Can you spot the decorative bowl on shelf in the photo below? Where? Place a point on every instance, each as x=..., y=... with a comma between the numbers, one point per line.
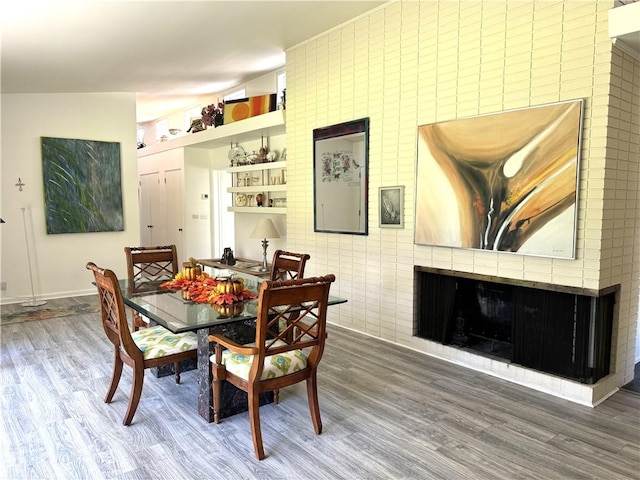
x=237, y=155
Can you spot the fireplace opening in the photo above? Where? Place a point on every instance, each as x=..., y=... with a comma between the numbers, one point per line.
x=483, y=317
x=555, y=329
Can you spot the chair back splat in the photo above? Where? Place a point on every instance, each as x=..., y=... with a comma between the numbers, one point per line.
x=146, y=267
x=288, y=265
x=289, y=342
x=114, y=318
x=150, y=347
x=146, y=264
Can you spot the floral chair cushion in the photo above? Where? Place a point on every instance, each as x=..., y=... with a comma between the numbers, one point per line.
x=274, y=365
x=158, y=342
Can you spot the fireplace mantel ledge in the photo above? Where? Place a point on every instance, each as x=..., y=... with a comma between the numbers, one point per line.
x=589, y=292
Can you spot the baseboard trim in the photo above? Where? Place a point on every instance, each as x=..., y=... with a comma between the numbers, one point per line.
x=49, y=296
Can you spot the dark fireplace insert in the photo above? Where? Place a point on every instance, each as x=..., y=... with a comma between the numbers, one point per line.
x=555, y=329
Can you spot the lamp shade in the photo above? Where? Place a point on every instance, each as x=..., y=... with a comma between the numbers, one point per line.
x=265, y=229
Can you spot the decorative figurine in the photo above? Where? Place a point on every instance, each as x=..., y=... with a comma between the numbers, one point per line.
x=259, y=199
x=262, y=155
x=196, y=126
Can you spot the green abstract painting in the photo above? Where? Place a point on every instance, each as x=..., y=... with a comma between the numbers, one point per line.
x=82, y=185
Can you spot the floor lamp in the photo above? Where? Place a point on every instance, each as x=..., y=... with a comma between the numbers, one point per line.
x=265, y=229
x=33, y=302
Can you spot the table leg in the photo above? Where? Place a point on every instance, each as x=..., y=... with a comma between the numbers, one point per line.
x=205, y=396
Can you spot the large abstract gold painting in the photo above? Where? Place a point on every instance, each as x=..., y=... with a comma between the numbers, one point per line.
x=504, y=182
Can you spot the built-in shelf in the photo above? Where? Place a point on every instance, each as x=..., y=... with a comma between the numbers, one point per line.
x=268, y=124
x=258, y=166
x=273, y=188
x=262, y=188
x=264, y=210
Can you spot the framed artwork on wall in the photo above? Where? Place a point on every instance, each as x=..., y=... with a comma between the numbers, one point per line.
x=391, y=207
x=242, y=108
x=505, y=182
x=82, y=185
x=340, y=177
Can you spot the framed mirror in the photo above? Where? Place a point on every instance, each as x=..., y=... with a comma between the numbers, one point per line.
x=340, y=178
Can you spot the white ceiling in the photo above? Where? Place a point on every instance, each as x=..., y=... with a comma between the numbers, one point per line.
x=167, y=52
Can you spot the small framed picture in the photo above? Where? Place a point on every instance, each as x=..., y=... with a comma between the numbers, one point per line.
x=391, y=207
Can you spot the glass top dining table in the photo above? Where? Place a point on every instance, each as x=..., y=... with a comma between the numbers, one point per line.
x=168, y=308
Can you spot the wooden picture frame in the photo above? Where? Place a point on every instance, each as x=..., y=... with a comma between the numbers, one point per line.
x=391, y=207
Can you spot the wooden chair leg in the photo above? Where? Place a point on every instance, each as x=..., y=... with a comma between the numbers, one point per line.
x=254, y=420
x=176, y=367
x=219, y=374
x=314, y=407
x=136, y=392
x=115, y=376
x=216, y=386
x=276, y=396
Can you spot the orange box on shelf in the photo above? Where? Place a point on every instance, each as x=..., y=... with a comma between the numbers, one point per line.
x=242, y=108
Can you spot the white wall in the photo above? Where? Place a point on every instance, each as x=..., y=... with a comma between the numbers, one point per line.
x=59, y=260
x=197, y=221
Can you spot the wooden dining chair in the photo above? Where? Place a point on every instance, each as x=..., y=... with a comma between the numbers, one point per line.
x=146, y=267
x=149, y=347
x=288, y=265
x=276, y=359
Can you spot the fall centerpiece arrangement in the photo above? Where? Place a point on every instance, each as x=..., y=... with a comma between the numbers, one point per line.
x=225, y=294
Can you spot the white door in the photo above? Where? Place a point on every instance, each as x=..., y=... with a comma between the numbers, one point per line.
x=174, y=211
x=149, y=197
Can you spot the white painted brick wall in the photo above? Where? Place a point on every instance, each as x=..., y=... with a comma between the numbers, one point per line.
x=412, y=63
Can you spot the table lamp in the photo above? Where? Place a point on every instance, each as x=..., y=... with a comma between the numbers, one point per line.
x=265, y=229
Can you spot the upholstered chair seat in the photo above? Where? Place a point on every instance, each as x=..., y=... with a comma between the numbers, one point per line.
x=156, y=342
x=274, y=365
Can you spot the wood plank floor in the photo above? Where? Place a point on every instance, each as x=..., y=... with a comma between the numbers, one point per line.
x=388, y=413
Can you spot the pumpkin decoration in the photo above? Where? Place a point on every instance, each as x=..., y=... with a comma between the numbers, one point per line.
x=191, y=270
x=234, y=286
x=229, y=310
x=198, y=287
